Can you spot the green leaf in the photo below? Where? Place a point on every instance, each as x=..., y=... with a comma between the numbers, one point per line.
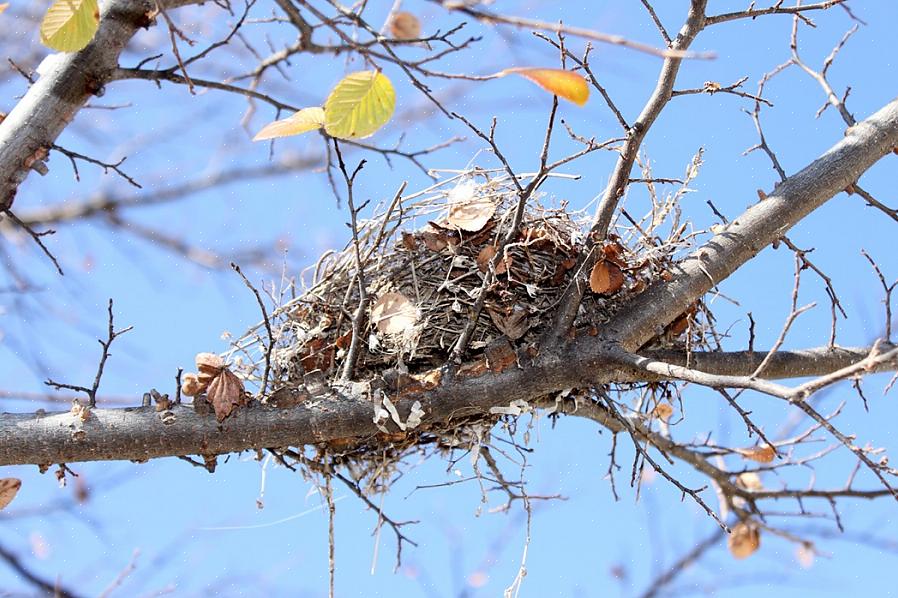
x=359, y=105
x=69, y=25
x=307, y=119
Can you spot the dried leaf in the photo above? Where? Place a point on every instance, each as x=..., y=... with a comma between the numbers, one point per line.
x=761, y=454
x=9, y=487
x=564, y=84
x=485, y=257
x=472, y=213
x=750, y=481
x=605, y=278
x=662, y=411
x=435, y=241
x=307, y=119
x=191, y=385
x=711, y=86
x=393, y=313
x=514, y=325
x=405, y=26
x=744, y=540
x=3, y=7
x=409, y=241
x=209, y=363
x=225, y=393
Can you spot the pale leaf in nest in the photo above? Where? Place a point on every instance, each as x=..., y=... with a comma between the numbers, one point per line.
x=393, y=313
x=514, y=325
x=466, y=210
x=744, y=540
x=606, y=277
x=225, y=393
x=9, y=487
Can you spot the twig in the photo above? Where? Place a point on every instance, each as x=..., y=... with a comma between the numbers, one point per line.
x=267, y=322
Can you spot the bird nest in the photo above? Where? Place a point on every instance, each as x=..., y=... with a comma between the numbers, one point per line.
x=443, y=273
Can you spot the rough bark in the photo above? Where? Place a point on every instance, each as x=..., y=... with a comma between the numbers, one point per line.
x=142, y=433
x=68, y=81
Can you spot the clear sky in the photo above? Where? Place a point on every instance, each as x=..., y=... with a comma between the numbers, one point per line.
x=191, y=533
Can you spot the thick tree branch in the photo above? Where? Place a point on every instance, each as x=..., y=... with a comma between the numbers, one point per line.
x=142, y=433
x=67, y=83
x=759, y=226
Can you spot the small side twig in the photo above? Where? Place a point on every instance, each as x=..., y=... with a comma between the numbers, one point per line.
x=270, y=346
x=92, y=391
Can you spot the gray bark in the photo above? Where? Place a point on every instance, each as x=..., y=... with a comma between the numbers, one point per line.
x=68, y=82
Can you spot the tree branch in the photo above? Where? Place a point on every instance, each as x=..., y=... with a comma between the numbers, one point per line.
x=762, y=224
x=67, y=83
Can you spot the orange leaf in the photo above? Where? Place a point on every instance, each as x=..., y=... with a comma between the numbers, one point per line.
x=405, y=26
x=8, y=489
x=605, y=278
x=744, y=540
x=564, y=84
x=761, y=454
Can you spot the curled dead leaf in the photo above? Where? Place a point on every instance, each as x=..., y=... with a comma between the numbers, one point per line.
x=209, y=363
x=393, y=313
x=662, y=411
x=485, y=257
x=513, y=325
x=225, y=393
x=760, y=454
x=405, y=26
x=466, y=210
x=191, y=385
x=606, y=278
x=744, y=540
x=9, y=487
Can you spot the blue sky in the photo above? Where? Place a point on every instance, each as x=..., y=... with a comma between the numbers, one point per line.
x=192, y=533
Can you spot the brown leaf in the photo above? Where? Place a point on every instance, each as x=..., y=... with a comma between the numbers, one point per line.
x=405, y=26
x=606, y=278
x=513, y=325
x=9, y=487
x=485, y=257
x=662, y=411
x=191, y=385
x=393, y=313
x=761, y=454
x=225, y=393
x=744, y=540
x=472, y=214
x=435, y=241
x=209, y=363
x=409, y=241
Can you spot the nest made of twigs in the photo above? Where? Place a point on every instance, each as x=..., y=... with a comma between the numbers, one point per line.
x=426, y=260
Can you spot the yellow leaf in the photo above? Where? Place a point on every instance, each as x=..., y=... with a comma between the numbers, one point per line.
x=564, y=84
x=359, y=105
x=69, y=25
x=307, y=119
x=3, y=7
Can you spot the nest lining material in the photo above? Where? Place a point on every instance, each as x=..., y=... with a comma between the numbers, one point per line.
x=422, y=285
